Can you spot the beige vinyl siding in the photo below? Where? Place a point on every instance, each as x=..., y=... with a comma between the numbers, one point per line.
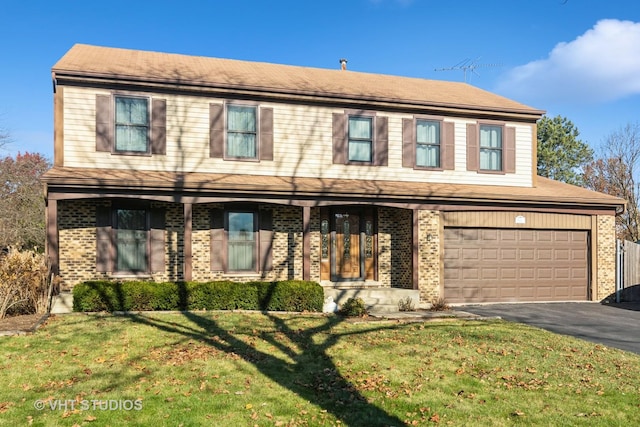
x=302, y=145
x=534, y=220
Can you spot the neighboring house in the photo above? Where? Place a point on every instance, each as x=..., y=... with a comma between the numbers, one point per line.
x=171, y=167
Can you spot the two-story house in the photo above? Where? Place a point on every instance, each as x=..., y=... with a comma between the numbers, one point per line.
x=171, y=167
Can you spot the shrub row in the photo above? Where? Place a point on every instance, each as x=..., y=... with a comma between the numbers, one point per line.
x=290, y=295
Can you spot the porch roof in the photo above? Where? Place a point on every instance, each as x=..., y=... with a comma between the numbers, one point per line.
x=546, y=192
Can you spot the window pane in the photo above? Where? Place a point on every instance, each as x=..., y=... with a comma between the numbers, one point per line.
x=131, y=240
x=131, y=111
x=241, y=241
x=360, y=151
x=359, y=128
x=491, y=159
x=428, y=155
x=491, y=136
x=131, y=138
x=241, y=256
x=241, y=145
x=428, y=132
x=241, y=119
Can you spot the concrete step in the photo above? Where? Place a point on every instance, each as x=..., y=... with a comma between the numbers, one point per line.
x=381, y=300
x=62, y=303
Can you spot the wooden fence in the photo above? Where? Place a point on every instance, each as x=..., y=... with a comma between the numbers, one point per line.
x=627, y=271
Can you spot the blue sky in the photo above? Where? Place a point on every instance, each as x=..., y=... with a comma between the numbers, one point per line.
x=575, y=58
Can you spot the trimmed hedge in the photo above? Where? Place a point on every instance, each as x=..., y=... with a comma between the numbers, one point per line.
x=289, y=295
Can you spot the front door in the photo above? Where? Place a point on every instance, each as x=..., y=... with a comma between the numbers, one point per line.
x=347, y=245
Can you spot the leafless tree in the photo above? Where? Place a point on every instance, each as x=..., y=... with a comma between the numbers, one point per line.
x=22, y=207
x=616, y=173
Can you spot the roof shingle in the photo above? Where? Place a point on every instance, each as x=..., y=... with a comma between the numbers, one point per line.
x=103, y=62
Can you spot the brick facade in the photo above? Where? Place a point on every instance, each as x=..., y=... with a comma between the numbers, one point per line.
x=77, y=243
x=394, y=248
x=606, y=259
x=429, y=255
x=77, y=247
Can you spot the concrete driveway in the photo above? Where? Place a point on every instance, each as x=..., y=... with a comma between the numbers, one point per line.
x=613, y=325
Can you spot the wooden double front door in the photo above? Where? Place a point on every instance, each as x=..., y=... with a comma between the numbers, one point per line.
x=348, y=244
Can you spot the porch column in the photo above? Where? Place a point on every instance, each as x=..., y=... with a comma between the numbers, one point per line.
x=52, y=248
x=306, y=243
x=415, y=245
x=187, y=244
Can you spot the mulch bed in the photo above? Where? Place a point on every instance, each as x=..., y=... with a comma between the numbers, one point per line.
x=16, y=325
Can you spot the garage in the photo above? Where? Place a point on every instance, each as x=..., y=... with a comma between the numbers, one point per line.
x=514, y=264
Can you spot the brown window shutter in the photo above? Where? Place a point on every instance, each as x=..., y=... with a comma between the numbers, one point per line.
x=266, y=134
x=510, y=150
x=104, y=123
x=266, y=240
x=218, y=248
x=104, y=244
x=447, y=146
x=408, y=143
x=159, y=126
x=473, y=149
x=339, y=138
x=216, y=130
x=381, y=150
x=156, y=238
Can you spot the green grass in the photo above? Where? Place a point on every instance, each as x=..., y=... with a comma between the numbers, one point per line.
x=236, y=369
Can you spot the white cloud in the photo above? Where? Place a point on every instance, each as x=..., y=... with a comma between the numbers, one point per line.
x=601, y=65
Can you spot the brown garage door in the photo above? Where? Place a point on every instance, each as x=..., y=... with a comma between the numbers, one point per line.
x=508, y=265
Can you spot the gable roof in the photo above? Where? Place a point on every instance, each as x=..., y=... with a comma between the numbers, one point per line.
x=95, y=63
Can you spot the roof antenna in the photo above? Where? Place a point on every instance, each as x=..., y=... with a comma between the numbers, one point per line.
x=343, y=64
x=468, y=65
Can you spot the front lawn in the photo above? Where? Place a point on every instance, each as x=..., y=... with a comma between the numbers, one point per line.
x=238, y=369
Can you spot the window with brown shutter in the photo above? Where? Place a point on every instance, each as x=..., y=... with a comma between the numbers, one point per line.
x=130, y=238
x=130, y=125
x=491, y=148
x=428, y=142
x=239, y=131
x=241, y=239
x=360, y=138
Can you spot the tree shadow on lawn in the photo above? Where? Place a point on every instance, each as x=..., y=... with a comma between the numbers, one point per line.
x=312, y=375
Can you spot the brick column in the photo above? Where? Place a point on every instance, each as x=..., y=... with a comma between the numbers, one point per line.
x=429, y=255
x=606, y=258
x=187, y=244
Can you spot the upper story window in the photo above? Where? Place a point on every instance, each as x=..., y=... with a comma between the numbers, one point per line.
x=242, y=132
x=490, y=147
x=360, y=139
x=427, y=143
x=132, y=124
